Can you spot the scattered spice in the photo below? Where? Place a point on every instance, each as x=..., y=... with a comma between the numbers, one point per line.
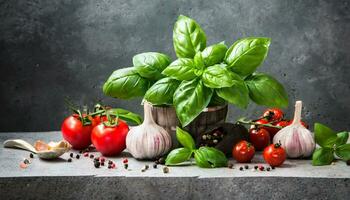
x=241, y=168
x=102, y=164
x=261, y=168
x=256, y=167
x=165, y=170
x=77, y=156
x=69, y=160
x=71, y=155
x=86, y=154
x=155, y=166
x=110, y=162
x=126, y=165
x=230, y=165
x=97, y=164
x=268, y=168
x=92, y=156
x=272, y=167
x=348, y=162
x=31, y=155
x=246, y=167
x=146, y=167
x=26, y=161
x=102, y=159
x=125, y=160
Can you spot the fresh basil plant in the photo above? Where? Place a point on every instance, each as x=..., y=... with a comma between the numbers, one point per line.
x=201, y=76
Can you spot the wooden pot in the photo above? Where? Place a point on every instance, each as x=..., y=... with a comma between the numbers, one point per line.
x=166, y=117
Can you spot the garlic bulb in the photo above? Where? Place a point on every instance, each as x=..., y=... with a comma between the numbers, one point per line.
x=295, y=138
x=148, y=140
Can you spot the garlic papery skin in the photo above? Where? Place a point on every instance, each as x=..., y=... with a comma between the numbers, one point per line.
x=297, y=140
x=148, y=140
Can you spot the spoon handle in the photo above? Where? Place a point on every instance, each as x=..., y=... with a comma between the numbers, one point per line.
x=21, y=144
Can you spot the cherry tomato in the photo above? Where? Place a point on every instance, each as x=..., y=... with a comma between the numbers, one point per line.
x=243, y=151
x=110, y=140
x=274, y=155
x=259, y=137
x=273, y=114
x=271, y=130
x=77, y=134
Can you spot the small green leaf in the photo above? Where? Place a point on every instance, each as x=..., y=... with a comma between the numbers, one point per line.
x=178, y=156
x=324, y=136
x=343, y=151
x=161, y=92
x=322, y=156
x=267, y=91
x=209, y=157
x=181, y=69
x=342, y=138
x=200, y=159
x=214, y=54
x=151, y=64
x=126, y=115
x=238, y=94
x=185, y=139
x=217, y=76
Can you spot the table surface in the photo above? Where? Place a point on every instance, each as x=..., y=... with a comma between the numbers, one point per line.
x=11, y=158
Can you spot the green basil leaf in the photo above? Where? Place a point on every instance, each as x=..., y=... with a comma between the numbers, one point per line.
x=181, y=69
x=190, y=98
x=214, y=54
x=178, y=156
x=198, y=63
x=161, y=92
x=238, y=94
x=125, y=84
x=216, y=100
x=210, y=157
x=217, y=76
x=188, y=37
x=245, y=55
x=343, y=151
x=185, y=139
x=127, y=115
x=151, y=64
x=324, y=136
x=342, y=138
x=265, y=90
x=322, y=156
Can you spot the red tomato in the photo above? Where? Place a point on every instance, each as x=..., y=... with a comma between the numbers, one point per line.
x=77, y=134
x=259, y=137
x=110, y=140
x=274, y=155
x=271, y=130
x=100, y=118
x=273, y=114
x=243, y=151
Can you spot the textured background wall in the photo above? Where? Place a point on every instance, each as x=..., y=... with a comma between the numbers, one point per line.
x=52, y=49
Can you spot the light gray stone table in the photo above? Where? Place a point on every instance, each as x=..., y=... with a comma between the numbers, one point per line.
x=296, y=179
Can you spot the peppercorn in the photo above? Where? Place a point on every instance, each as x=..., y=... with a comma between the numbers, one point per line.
x=102, y=164
x=165, y=170
x=69, y=160
x=125, y=160
x=31, y=155
x=81, y=151
x=96, y=159
x=97, y=164
x=230, y=165
x=246, y=167
x=241, y=168
x=77, y=156
x=272, y=167
x=86, y=154
x=348, y=162
x=146, y=167
x=267, y=168
x=256, y=167
x=110, y=162
x=92, y=156
x=102, y=159
x=26, y=161
x=71, y=155
x=261, y=168
x=155, y=166
x=109, y=166
x=126, y=165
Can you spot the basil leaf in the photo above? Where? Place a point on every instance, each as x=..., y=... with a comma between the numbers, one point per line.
x=343, y=151
x=265, y=90
x=217, y=76
x=126, y=115
x=125, y=83
x=214, y=54
x=162, y=91
x=198, y=63
x=178, y=156
x=185, y=139
x=342, y=138
x=188, y=37
x=190, y=98
x=322, y=156
x=324, y=136
x=216, y=100
x=245, y=55
x=210, y=157
x=181, y=69
x=151, y=64
x=238, y=94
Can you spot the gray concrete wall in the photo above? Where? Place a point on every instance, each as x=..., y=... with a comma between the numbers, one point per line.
x=52, y=49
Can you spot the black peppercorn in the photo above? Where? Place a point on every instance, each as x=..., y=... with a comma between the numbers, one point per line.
x=109, y=166
x=97, y=164
x=110, y=162
x=102, y=164
x=26, y=161
x=241, y=168
x=126, y=165
x=155, y=166
x=71, y=155
x=267, y=168
x=91, y=156
x=256, y=167
x=348, y=162
x=69, y=160
x=272, y=167
x=230, y=165
x=146, y=167
x=81, y=151
x=31, y=155
x=96, y=159
x=77, y=156
x=246, y=167
x=165, y=170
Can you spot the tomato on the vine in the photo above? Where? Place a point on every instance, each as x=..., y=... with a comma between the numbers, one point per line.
x=100, y=118
x=259, y=137
x=274, y=155
x=77, y=130
x=273, y=114
x=243, y=152
x=109, y=139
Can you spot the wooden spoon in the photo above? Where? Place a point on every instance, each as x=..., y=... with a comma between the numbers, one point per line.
x=44, y=154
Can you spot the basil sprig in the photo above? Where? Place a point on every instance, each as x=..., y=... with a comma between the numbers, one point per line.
x=205, y=157
x=330, y=142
